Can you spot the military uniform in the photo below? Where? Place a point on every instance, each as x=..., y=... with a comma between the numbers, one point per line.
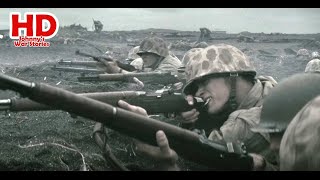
x=169, y=64
x=237, y=126
x=133, y=53
x=229, y=61
x=300, y=145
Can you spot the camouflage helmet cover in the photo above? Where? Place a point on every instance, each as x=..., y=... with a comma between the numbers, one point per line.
x=315, y=55
x=154, y=45
x=313, y=66
x=286, y=100
x=133, y=53
x=189, y=54
x=214, y=60
x=303, y=52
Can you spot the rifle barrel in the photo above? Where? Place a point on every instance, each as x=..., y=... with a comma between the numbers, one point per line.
x=76, y=70
x=5, y=104
x=146, y=77
x=153, y=102
x=124, y=66
x=79, y=63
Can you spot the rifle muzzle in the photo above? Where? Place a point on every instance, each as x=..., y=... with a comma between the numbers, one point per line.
x=11, y=83
x=64, y=62
x=5, y=104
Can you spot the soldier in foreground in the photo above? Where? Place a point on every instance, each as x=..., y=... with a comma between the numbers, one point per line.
x=225, y=79
x=291, y=116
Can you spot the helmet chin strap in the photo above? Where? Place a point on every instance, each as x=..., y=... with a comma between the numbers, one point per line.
x=232, y=98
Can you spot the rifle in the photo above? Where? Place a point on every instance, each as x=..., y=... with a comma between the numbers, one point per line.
x=188, y=144
x=124, y=66
x=145, y=77
x=79, y=63
x=76, y=70
x=133, y=45
x=161, y=101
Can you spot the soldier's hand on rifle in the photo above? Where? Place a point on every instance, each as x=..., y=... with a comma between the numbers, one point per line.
x=132, y=108
x=178, y=86
x=259, y=162
x=192, y=115
x=140, y=83
x=111, y=65
x=166, y=157
x=163, y=154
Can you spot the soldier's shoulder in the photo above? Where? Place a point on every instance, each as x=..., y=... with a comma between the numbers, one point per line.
x=300, y=141
x=171, y=60
x=250, y=116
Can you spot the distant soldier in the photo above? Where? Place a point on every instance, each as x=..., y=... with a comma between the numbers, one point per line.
x=303, y=54
x=291, y=115
x=155, y=55
x=243, y=38
x=205, y=34
x=98, y=26
x=314, y=64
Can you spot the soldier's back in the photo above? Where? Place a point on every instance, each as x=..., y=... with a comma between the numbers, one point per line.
x=299, y=149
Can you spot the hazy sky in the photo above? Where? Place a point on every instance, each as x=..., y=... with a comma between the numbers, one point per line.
x=233, y=20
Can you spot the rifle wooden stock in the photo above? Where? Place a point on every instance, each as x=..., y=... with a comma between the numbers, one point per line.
x=124, y=66
x=77, y=70
x=186, y=143
x=153, y=102
x=80, y=63
x=145, y=77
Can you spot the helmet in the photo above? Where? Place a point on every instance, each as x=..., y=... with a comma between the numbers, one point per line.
x=315, y=55
x=201, y=45
x=303, y=52
x=286, y=100
x=214, y=60
x=313, y=66
x=188, y=54
x=133, y=53
x=154, y=45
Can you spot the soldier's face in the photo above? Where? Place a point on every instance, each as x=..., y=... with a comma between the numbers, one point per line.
x=149, y=59
x=215, y=92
